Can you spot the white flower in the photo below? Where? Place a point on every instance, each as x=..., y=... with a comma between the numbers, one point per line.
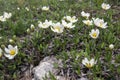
x=67, y=25
x=88, y=63
x=7, y=15
x=105, y=6
x=71, y=19
x=18, y=8
x=2, y=18
x=100, y=23
x=27, y=8
x=45, y=8
x=111, y=46
x=0, y=52
x=86, y=15
x=57, y=27
x=11, y=51
x=94, y=33
x=88, y=22
x=46, y=24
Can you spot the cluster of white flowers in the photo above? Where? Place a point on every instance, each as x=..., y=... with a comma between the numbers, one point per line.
x=67, y=22
x=96, y=21
x=10, y=52
x=45, y=8
x=95, y=32
x=5, y=16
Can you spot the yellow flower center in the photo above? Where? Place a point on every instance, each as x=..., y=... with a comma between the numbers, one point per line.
x=72, y=19
x=101, y=24
x=88, y=23
x=88, y=65
x=12, y=52
x=94, y=34
x=57, y=28
x=44, y=24
x=105, y=7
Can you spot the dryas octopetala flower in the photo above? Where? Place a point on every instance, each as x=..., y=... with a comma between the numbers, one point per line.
x=7, y=15
x=45, y=24
x=100, y=23
x=67, y=25
x=57, y=27
x=18, y=8
x=45, y=8
x=88, y=22
x=71, y=19
x=0, y=52
x=94, y=33
x=11, y=52
x=2, y=18
x=111, y=46
x=105, y=6
x=86, y=15
x=89, y=63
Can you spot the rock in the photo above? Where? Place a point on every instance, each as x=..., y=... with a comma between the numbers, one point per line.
x=27, y=76
x=45, y=66
x=82, y=78
x=61, y=78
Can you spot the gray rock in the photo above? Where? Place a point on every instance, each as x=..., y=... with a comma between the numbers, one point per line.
x=45, y=66
x=82, y=78
x=61, y=78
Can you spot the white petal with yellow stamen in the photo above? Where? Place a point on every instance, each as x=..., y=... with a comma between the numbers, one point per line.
x=100, y=23
x=88, y=63
x=71, y=19
x=88, y=22
x=105, y=6
x=57, y=27
x=11, y=52
x=94, y=33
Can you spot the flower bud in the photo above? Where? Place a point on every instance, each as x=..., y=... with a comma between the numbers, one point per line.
x=32, y=27
x=111, y=46
x=28, y=31
x=11, y=40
